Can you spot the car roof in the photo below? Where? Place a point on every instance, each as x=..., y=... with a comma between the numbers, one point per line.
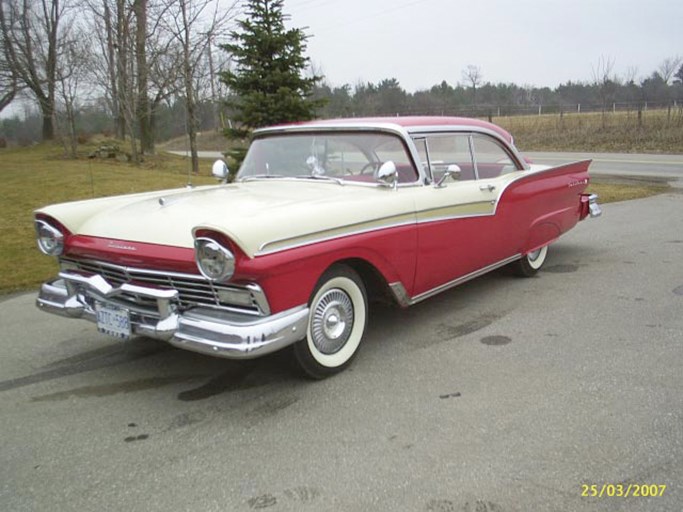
x=409, y=123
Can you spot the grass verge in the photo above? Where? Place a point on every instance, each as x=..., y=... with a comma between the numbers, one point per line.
x=39, y=176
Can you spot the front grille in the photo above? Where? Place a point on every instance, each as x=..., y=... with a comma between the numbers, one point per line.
x=193, y=290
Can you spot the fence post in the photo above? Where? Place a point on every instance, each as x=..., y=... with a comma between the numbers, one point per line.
x=540, y=109
x=578, y=108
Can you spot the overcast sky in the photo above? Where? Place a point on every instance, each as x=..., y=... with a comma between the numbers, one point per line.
x=536, y=42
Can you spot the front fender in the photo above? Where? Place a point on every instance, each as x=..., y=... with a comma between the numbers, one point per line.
x=288, y=277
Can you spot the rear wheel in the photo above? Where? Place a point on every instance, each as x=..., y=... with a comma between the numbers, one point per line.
x=531, y=262
x=338, y=316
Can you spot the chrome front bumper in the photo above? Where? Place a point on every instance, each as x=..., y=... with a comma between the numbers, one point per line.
x=215, y=332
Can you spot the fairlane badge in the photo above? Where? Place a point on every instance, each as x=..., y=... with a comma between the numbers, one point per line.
x=116, y=245
x=577, y=183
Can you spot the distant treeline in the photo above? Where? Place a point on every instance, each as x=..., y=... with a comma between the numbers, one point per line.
x=388, y=98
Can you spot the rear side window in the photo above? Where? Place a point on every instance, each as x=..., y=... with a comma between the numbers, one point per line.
x=477, y=155
x=491, y=158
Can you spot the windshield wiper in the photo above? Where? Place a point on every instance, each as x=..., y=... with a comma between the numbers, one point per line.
x=339, y=181
x=261, y=177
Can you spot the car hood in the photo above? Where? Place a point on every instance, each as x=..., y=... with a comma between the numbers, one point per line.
x=259, y=216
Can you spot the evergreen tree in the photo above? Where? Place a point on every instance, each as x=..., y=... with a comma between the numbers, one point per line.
x=267, y=84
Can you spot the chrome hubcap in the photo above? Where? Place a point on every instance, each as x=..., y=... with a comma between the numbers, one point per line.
x=332, y=321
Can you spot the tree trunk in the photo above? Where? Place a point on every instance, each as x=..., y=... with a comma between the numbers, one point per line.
x=119, y=122
x=48, y=114
x=121, y=68
x=190, y=106
x=143, y=104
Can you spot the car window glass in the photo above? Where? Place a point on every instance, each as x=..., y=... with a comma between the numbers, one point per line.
x=349, y=156
x=392, y=149
x=340, y=157
x=492, y=160
x=449, y=149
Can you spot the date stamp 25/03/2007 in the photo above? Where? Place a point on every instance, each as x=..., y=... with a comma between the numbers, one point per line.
x=622, y=490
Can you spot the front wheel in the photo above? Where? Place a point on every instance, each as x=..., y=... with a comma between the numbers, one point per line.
x=531, y=262
x=336, y=324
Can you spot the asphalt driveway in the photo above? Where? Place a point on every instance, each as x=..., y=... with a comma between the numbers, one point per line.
x=504, y=394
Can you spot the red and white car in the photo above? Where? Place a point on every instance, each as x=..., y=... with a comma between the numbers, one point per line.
x=322, y=217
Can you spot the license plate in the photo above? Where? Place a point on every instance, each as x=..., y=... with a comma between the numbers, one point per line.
x=112, y=320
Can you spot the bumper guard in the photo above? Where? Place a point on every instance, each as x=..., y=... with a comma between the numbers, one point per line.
x=215, y=332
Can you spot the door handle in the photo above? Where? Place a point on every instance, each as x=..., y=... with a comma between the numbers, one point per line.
x=488, y=187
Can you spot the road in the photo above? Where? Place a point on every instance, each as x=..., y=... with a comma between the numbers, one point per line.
x=619, y=164
x=504, y=394
x=668, y=167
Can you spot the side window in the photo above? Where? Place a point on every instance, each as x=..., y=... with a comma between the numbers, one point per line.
x=392, y=149
x=447, y=149
x=492, y=160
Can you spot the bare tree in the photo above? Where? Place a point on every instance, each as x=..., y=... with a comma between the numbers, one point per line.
x=8, y=80
x=193, y=24
x=33, y=38
x=71, y=75
x=143, y=110
x=668, y=67
x=104, y=57
x=473, y=76
x=605, y=82
x=630, y=75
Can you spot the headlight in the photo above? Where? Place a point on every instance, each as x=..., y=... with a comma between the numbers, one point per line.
x=50, y=239
x=214, y=261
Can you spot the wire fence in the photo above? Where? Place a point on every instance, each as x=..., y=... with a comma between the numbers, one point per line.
x=491, y=111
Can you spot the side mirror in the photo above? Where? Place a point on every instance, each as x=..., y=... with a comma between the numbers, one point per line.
x=387, y=175
x=453, y=171
x=220, y=170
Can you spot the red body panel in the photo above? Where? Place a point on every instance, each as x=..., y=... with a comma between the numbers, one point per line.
x=133, y=254
x=531, y=212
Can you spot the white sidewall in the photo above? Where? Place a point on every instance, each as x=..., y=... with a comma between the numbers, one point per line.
x=359, y=318
x=538, y=262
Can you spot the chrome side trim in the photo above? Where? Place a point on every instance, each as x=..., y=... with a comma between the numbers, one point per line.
x=306, y=239
x=263, y=251
x=404, y=300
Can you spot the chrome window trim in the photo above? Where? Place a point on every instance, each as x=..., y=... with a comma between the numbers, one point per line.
x=390, y=128
x=473, y=156
x=431, y=130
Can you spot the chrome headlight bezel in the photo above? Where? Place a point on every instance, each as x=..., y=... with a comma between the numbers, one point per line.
x=49, y=238
x=214, y=261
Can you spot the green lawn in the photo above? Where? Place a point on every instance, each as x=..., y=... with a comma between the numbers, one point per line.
x=38, y=176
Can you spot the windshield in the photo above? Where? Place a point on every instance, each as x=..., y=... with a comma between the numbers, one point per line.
x=351, y=157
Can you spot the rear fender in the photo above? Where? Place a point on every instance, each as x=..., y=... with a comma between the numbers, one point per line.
x=546, y=203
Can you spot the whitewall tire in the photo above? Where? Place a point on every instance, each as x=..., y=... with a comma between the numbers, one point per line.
x=531, y=262
x=337, y=320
